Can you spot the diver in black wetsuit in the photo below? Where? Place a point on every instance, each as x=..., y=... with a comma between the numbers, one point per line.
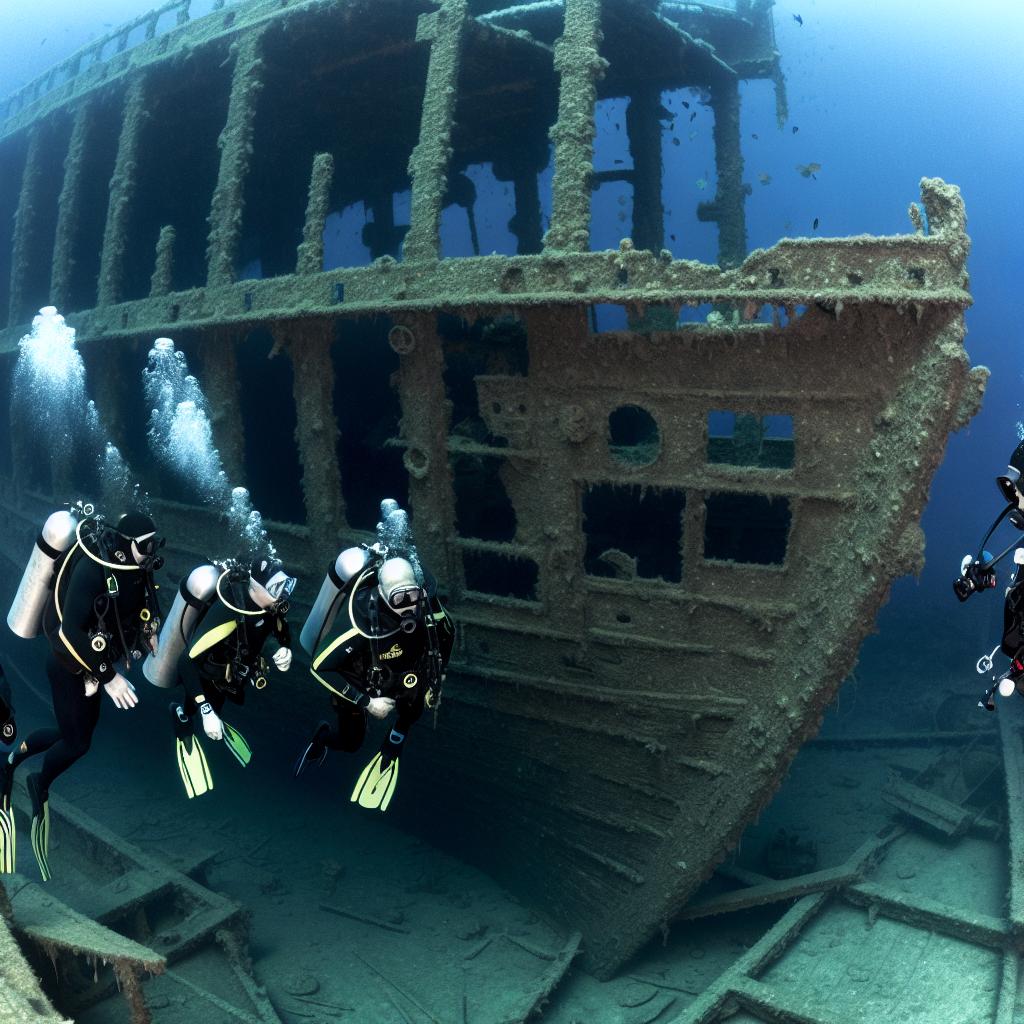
x=103, y=613
x=388, y=650
x=977, y=573
x=223, y=655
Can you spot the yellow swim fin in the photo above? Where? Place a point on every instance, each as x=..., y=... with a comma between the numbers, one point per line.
x=195, y=772
x=376, y=785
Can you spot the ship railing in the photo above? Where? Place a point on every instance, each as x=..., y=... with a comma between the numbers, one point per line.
x=163, y=19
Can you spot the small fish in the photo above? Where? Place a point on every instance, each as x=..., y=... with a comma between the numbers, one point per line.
x=808, y=170
x=693, y=135
x=618, y=127
x=701, y=184
x=814, y=226
x=798, y=19
x=618, y=161
x=685, y=104
x=795, y=129
x=693, y=116
x=43, y=41
x=673, y=237
x=675, y=141
x=765, y=179
x=754, y=135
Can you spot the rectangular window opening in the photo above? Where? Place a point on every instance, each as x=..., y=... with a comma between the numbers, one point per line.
x=504, y=576
x=633, y=532
x=744, y=439
x=747, y=528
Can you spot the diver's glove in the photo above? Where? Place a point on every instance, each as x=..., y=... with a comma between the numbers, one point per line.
x=120, y=691
x=380, y=707
x=211, y=722
x=283, y=659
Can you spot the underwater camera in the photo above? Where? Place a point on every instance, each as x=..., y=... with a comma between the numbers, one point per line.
x=974, y=576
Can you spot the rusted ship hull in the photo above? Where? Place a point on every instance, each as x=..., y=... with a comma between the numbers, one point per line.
x=658, y=590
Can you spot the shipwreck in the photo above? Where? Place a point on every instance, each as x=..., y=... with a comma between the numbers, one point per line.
x=664, y=543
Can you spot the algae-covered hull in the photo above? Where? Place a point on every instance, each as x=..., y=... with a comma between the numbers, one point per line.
x=663, y=543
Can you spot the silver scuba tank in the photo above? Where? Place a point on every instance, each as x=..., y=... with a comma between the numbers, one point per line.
x=55, y=539
x=349, y=563
x=193, y=593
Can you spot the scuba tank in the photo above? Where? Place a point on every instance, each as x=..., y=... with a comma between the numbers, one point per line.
x=194, y=595
x=54, y=541
x=346, y=566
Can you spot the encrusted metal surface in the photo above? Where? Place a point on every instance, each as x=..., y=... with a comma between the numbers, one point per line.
x=664, y=615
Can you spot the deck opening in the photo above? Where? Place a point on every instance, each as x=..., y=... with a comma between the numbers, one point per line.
x=505, y=576
x=750, y=528
x=38, y=255
x=633, y=532
x=483, y=508
x=175, y=184
x=272, y=470
x=743, y=439
x=368, y=412
x=349, y=69
x=98, y=159
x=633, y=437
x=498, y=197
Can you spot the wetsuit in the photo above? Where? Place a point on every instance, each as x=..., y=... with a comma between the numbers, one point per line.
x=369, y=655
x=83, y=607
x=224, y=652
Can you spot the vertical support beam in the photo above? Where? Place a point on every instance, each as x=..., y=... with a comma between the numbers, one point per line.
x=580, y=66
x=25, y=224
x=425, y=425
x=123, y=186
x=69, y=206
x=311, y=249
x=235, y=144
x=644, y=128
x=316, y=434
x=220, y=383
x=728, y=206
x=558, y=337
x=428, y=165
x=163, y=273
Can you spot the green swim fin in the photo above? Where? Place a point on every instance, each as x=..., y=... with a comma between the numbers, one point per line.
x=236, y=743
x=195, y=772
x=8, y=834
x=40, y=826
x=376, y=785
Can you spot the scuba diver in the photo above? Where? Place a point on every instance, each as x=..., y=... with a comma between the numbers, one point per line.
x=212, y=646
x=89, y=588
x=977, y=573
x=388, y=651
